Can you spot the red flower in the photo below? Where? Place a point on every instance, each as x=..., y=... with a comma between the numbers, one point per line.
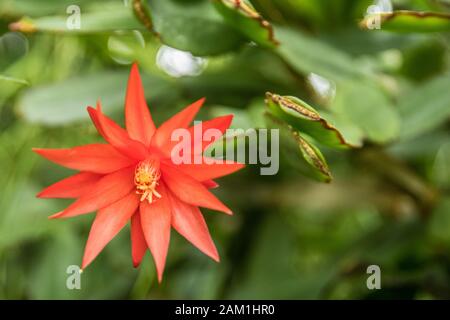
x=132, y=177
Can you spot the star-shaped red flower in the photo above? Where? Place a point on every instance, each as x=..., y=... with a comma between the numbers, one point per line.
x=132, y=177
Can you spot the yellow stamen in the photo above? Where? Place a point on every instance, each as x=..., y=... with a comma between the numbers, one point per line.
x=146, y=177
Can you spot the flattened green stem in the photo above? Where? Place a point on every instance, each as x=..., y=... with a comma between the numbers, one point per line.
x=411, y=21
x=311, y=153
x=142, y=12
x=302, y=109
x=306, y=119
x=245, y=9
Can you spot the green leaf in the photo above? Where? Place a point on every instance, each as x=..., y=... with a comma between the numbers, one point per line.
x=236, y=79
x=410, y=21
x=367, y=107
x=425, y=107
x=307, y=54
x=193, y=26
x=33, y=8
x=300, y=151
x=66, y=101
x=243, y=17
x=109, y=19
x=352, y=133
x=305, y=118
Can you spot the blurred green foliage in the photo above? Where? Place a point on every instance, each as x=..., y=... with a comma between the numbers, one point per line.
x=386, y=93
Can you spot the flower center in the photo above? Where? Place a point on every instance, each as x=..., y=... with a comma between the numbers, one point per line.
x=146, y=177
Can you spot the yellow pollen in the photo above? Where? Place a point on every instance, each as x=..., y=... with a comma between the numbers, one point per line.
x=146, y=177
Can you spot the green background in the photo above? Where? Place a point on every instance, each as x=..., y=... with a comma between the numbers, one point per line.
x=291, y=236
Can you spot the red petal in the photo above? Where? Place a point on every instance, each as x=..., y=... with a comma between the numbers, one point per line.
x=71, y=187
x=155, y=219
x=93, y=114
x=108, y=222
x=105, y=192
x=204, y=171
x=189, y=222
x=97, y=158
x=190, y=190
x=210, y=184
x=181, y=120
x=117, y=136
x=219, y=123
x=138, y=120
x=138, y=244
x=198, y=144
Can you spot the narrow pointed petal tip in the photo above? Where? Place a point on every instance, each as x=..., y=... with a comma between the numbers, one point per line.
x=84, y=264
x=216, y=258
x=225, y=121
x=56, y=215
x=201, y=101
x=42, y=195
x=134, y=69
x=39, y=151
x=223, y=208
x=210, y=184
x=228, y=211
x=136, y=264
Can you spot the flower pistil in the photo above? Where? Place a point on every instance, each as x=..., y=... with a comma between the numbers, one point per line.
x=146, y=177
